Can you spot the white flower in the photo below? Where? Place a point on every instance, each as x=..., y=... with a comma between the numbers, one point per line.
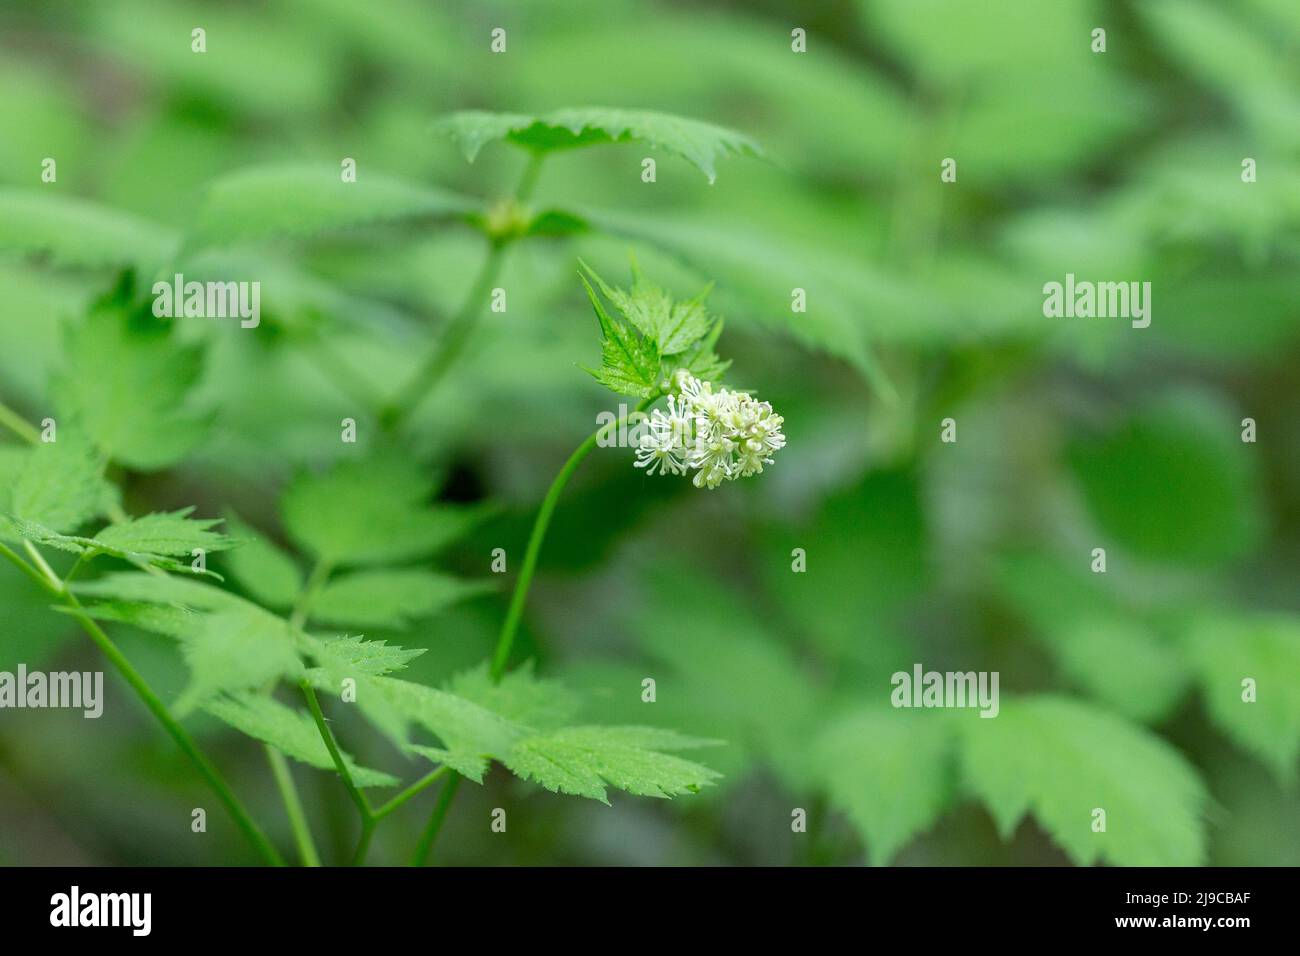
x=663, y=447
x=721, y=435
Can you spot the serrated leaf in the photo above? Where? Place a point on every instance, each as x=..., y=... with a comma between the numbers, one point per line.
x=1225, y=651
x=892, y=771
x=372, y=658
x=672, y=325
x=741, y=683
x=583, y=761
x=850, y=300
x=461, y=725
x=76, y=232
x=262, y=569
x=166, y=619
x=1060, y=760
x=60, y=484
x=470, y=765
x=301, y=200
x=699, y=143
x=292, y=732
x=236, y=649
x=126, y=382
x=520, y=696
x=137, y=586
x=371, y=512
x=389, y=598
x=165, y=533
x=629, y=361
x=77, y=544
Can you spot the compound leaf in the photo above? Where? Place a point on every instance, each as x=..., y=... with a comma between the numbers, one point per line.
x=699, y=143
x=126, y=381
x=1225, y=652
x=1062, y=760
x=584, y=760
x=891, y=771
x=76, y=232
x=262, y=569
x=371, y=512
x=389, y=598
x=301, y=201
x=292, y=732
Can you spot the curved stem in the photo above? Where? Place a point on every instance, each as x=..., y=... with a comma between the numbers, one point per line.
x=357, y=796
x=460, y=328
x=528, y=181
x=434, y=826
x=453, y=342
x=543, y=520
x=18, y=425
x=51, y=583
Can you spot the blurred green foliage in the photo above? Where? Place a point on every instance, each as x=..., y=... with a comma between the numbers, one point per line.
x=1119, y=690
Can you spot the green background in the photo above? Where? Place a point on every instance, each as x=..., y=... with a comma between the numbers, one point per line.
x=1118, y=690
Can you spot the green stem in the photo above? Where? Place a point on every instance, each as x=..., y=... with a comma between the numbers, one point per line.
x=543, y=520
x=418, y=787
x=363, y=844
x=434, y=826
x=357, y=796
x=47, y=579
x=40, y=579
x=315, y=581
x=51, y=583
x=341, y=374
x=454, y=339
x=293, y=807
x=19, y=425
x=528, y=181
x=461, y=327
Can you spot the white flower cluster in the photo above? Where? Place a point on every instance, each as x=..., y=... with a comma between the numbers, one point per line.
x=720, y=435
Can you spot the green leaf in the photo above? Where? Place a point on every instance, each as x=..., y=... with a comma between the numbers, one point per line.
x=892, y=771
x=734, y=678
x=629, y=361
x=1107, y=649
x=1225, y=651
x=1061, y=760
x=372, y=658
x=260, y=568
x=40, y=534
x=699, y=143
x=292, y=732
x=584, y=760
x=519, y=696
x=166, y=619
x=371, y=512
x=389, y=598
x=59, y=484
x=137, y=586
x=75, y=232
x=850, y=300
x=126, y=381
x=673, y=326
x=1174, y=482
x=302, y=201
x=463, y=727
x=165, y=533
x=236, y=649
x=470, y=765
